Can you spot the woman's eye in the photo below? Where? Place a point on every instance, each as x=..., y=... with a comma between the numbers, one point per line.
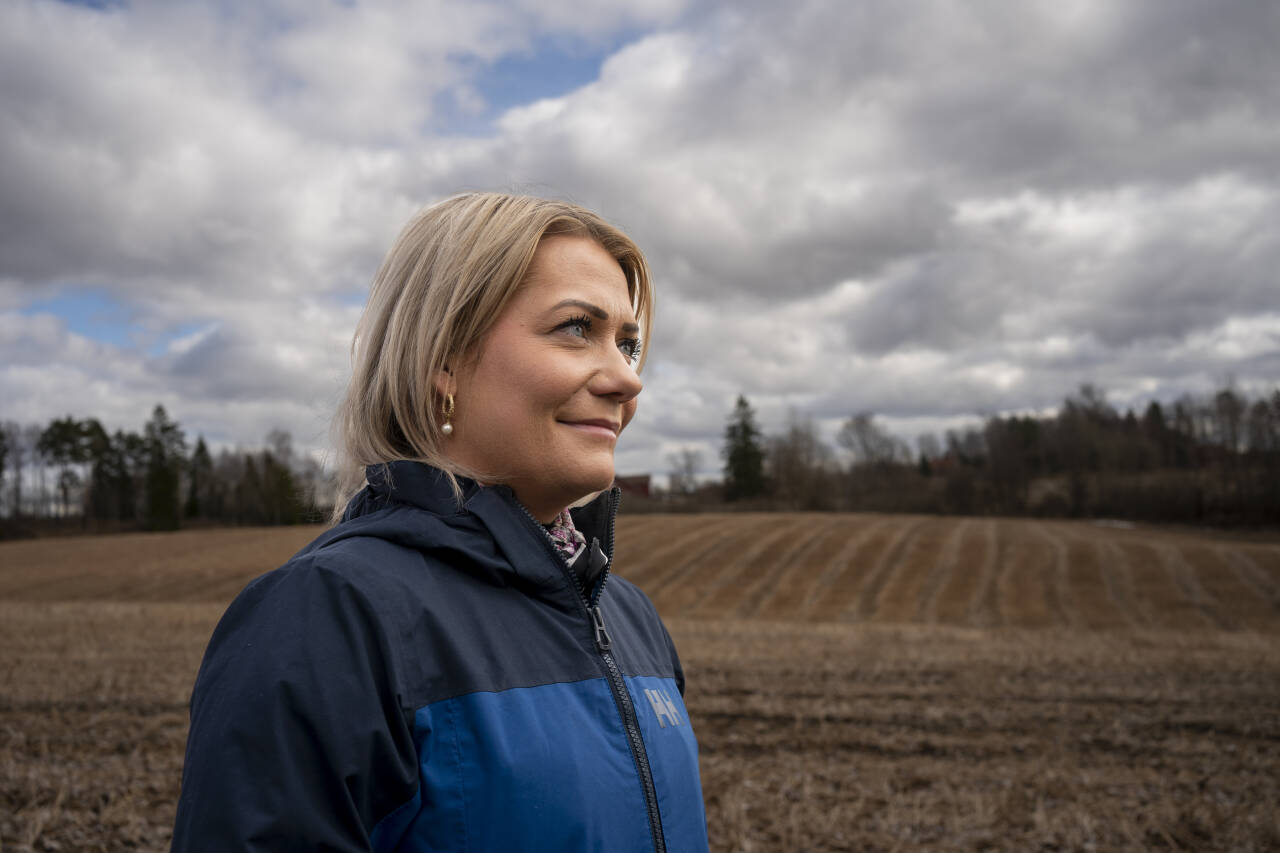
x=630, y=348
x=577, y=326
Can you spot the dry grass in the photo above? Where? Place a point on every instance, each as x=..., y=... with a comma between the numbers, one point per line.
x=197, y=565
x=1128, y=700
x=841, y=737
x=93, y=721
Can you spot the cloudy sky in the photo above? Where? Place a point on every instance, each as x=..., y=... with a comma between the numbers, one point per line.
x=928, y=210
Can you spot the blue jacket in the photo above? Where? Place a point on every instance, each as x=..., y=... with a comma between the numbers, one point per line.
x=423, y=677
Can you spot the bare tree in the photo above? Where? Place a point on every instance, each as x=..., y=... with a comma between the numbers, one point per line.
x=799, y=465
x=16, y=465
x=315, y=487
x=63, y=443
x=869, y=444
x=1228, y=414
x=280, y=443
x=683, y=476
x=1264, y=427
x=39, y=502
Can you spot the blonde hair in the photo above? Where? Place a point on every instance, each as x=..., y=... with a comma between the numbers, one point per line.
x=438, y=291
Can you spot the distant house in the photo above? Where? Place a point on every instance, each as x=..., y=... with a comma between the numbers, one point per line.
x=637, y=484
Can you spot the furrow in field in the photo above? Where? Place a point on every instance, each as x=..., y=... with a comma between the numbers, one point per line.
x=1119, y=580
x=30, y=569
x=905, y=588
x=800, y=588
x=940, y=573
x=1058, y=591
x=1234, y=602
x=1194, y=598
x=69, y=582
x=1267, y=560
x=1089, y=588
x=146, y=566
x=1027, y=572
x=194, y=586
x=1250, y=573
x=704, y=552
x=787, y=571
x=1155, y=593
x=840, y=583
x=645, y=523
x=845, y=590
x=721, y=599
x=864, y=609
x=647, y=560
x=955, y=599
x=633, y=533
x=984, y=608
x=174, y=584
x=724, y=565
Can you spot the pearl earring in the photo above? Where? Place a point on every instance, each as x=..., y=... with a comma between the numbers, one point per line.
x=447, y=429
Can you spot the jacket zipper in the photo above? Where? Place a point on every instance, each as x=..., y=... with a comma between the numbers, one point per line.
x=621, y=696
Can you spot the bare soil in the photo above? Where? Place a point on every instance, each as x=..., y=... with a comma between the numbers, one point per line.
x=976, y=685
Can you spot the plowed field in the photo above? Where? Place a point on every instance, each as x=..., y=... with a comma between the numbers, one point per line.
x=857, y=682
x=965, y=572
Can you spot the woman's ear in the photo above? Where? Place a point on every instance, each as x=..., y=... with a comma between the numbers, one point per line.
x=444, y=382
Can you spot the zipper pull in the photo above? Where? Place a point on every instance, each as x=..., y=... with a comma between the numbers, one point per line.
x=603, y=640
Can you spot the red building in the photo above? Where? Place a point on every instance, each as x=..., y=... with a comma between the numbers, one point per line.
x=637, y=485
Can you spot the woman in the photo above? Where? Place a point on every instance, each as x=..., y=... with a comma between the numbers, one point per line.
x=453, y=666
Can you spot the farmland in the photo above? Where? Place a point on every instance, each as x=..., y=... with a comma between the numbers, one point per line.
x=857, y=682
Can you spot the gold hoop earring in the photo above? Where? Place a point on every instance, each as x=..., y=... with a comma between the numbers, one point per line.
x=447, y=429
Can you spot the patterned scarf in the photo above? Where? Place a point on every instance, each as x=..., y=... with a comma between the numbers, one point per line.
x=566, y=537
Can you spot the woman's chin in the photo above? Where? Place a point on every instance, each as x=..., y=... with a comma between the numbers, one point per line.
x=592, y=483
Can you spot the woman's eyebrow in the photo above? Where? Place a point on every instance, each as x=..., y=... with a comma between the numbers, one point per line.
x=595, y=311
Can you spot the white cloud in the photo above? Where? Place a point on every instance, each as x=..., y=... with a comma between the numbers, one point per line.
x=919, y=209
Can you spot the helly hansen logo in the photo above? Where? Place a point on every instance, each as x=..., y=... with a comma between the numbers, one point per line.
x=663, y=707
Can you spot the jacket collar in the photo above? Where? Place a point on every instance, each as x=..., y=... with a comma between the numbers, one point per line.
x=414, y=483
x=517, y=533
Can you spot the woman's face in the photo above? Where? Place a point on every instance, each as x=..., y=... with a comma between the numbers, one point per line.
x=541, y=405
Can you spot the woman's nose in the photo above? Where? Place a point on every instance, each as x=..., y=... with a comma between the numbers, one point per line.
x=618, y=378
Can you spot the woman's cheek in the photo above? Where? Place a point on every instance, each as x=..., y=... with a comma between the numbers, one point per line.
x=628, y=412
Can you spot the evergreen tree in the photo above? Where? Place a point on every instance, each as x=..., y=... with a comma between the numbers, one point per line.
x=279, y=493
x=129, y=458
x=17, y=457
x=98, y=454
x=250, y=507
x=165, y=451
x=1158, y=434
x=4, y=452
x=743, y=455
x=923, y=466
x=200, y=481
x=63, y=444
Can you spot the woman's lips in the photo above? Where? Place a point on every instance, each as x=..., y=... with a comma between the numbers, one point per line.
x=593, y=427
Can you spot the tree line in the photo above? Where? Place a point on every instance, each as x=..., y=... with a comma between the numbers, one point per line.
x=73, y=473
x=1212, y=459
